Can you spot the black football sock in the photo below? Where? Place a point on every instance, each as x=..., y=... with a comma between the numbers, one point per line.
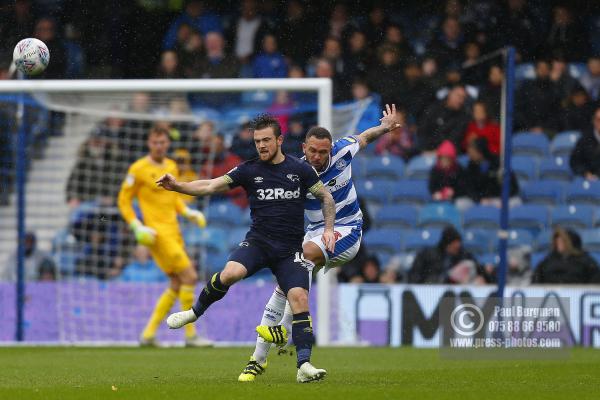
x=302, y=333
x=214, y=290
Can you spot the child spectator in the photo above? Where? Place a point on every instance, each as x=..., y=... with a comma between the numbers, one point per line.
x=446, y=176
x=142, y=268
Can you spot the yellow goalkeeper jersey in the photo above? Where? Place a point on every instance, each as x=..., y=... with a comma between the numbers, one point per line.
x=159, y=207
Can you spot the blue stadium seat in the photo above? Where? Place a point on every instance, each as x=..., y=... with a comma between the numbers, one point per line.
x=591, y=240
x=410, y=192
x=257, y=98
x=556, y=168
x=418, y=167
x=206, y=113
x=214, y=261
x=210, y=237
x=530, y=144
x=524, y=167
x=543, y=242
x=479, y=241
x=436, y=215
x=490, y=258
x=543, y=192
x=396, y=216
x=529, y=216
x=596, y=256
x=241, y=115
x=223, y=214
x=519, y=238
x=537, y=258
x=485, y=217
x=359, y=166
x=463, y=160
x=385, y=167
x=577, y=70
x=583, y=192
x=374, y=190
x=383, y=240
x=235, y=237
x=573, y=216
x=415, y=240
x=524, y=71
x=563, y=143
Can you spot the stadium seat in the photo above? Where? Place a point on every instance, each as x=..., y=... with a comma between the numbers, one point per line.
x=520, y=238
x=530, y=144
x=241, y=115
x=359, y=166
x=223, y=214
x=410, y=192
x=524, y=71
x=214, y=261
x=591, y=240
x=529, y=216
x=463, y=160
x=555, y=168
x=543, y=192
x=583, y=192
x=573, y=216
x=385, y=167
x=210, y=237
x=396, y=216
x=415, y=240
x=437, y=215
x=479, y=241
x=485, y=217
x=563, y=143
x=537, y=258
x=383, y=240
x=577, y=69
x=489, y=259
x=419, y=167
x=543, y=242
x=596, y=256
x=374, y=190
x=524, y=167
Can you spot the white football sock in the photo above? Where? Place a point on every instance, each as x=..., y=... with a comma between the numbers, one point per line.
x=271, y=317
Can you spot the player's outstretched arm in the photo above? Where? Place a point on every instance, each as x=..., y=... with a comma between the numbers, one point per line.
x=328, y=206
x=202, y=187
x=390, y=121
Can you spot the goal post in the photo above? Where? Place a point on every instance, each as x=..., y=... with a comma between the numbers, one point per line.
x=322, y=87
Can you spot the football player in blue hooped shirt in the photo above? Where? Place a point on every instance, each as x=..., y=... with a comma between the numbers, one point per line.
x=277, y=185
x=332, y=161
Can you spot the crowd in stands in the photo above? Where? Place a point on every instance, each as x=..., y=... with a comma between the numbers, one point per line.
x=425, y=58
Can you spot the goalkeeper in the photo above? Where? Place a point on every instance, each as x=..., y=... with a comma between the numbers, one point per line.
x=159, y=230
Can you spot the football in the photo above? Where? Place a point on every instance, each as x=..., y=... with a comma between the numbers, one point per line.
x=31, y=56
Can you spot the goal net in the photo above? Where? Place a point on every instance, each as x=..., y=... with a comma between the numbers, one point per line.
x=86, y=280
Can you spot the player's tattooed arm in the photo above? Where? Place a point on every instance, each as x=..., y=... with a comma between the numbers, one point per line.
x=202, y=187
x=328, y=206
x=391, y=120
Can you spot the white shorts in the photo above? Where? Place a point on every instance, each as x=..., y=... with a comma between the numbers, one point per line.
x=347, y=242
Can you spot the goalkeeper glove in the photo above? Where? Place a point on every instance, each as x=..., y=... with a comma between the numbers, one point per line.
x=195, y=216
x=143, y=235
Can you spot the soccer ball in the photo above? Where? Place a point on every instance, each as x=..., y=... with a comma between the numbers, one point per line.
x=31, y=56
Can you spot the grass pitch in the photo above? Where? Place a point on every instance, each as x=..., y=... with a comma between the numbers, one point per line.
x=363, y=373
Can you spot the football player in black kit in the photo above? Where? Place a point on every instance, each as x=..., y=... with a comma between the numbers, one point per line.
x=276, y=185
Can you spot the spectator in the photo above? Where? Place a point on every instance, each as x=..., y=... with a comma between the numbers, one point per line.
x=217, y=63
x=591, y=78
x=223, y=162
x=292, y=32
x=579, y=111
x=382, y=76
x=281, y=108
x=370, y=271
x=202, y=142
x=100, y=255
x=332, y=52
x=195, y=16
x=482, y=179
x=324, y=69
x=16, y=24
x=191, y=54
x=97, y=173
x=358, y=55
x=186, y=172
x=339, y=24
x=243, y=143
x=248, y=31
x=415, y=93
x=184, y=33
x=293, y=140
x=559, y=74
x=270, y=63
x=585, y=157
x=444, y=120
x=475, y=70
x=447, y=48
x=537, y=102
x=566, y=35
x=371, y=115
x=134, y=143
x=482, y=127
x=169, y=67
x=45, y=30
x=448, y=262
x=567, y=262
x=446, y=176
x=491, y=92
x=36, y=263
x=375, y=27
x=399, y=142
x=142, y=269
x=395, y=37
x=515, y=26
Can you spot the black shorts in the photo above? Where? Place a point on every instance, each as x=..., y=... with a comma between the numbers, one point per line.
x=289, y=269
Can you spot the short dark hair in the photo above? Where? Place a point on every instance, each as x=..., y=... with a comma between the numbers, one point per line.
x=319, y=133
x=159, y=130
x=263, y=121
